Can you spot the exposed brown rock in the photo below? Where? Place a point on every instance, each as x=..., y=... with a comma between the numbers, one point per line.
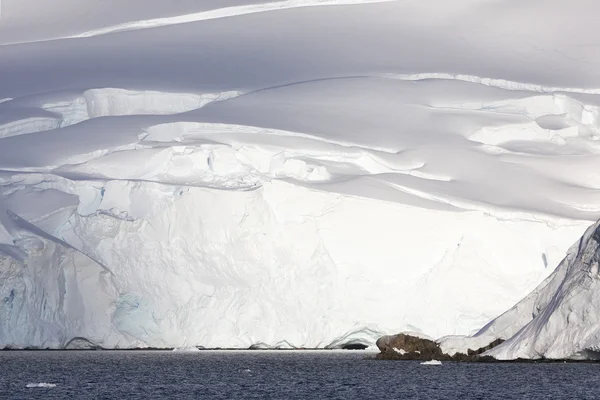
x=407, y=347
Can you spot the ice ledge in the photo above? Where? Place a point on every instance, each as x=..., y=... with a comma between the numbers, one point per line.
x=492, y=82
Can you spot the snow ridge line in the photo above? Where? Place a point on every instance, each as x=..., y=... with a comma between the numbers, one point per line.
x=491, y=82
x=499, y=212
x=219, y=13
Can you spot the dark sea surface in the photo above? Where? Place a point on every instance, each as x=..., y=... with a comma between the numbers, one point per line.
x=281, y=375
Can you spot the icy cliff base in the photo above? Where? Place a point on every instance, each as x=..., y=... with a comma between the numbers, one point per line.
x=558, y=319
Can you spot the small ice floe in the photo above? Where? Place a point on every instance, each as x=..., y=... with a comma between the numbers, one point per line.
x=41, y=385
x=247, y=370
x=432, y=362
x=186, y=349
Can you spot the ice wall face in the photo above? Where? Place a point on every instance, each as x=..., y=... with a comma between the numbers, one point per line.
x=214, y=173
x=280, y=265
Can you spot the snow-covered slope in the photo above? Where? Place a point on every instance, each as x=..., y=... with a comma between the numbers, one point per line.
x=287, y=173
x=557, y=320
x=565, y=319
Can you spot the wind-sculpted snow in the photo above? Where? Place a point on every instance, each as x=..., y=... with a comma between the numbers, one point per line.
x=53, y=110
x=211, y=13
x=493, y=82
x=221, y=13
x=277, y=174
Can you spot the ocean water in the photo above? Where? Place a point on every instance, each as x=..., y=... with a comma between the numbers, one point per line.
x=280, y=375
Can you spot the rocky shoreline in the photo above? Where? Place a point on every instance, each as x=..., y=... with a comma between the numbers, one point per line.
x=406, y=347
x=402, y=347
x=199, y=348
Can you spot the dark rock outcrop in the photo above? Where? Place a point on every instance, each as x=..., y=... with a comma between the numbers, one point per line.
x=407, y=347
x=485, y=348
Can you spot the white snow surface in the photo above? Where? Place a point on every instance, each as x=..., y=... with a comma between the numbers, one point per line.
x=239, y=173
x=557, y=320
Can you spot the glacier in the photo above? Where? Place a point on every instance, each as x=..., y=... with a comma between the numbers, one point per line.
x=215, y=174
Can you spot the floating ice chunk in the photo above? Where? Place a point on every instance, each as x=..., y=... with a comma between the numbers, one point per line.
x=41, y=385
x=432, y=362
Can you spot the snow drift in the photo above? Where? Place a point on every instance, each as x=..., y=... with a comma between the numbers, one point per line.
x=216, y=174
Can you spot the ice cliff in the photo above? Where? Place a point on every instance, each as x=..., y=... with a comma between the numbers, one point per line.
x=217, y=174
x=142, y=264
